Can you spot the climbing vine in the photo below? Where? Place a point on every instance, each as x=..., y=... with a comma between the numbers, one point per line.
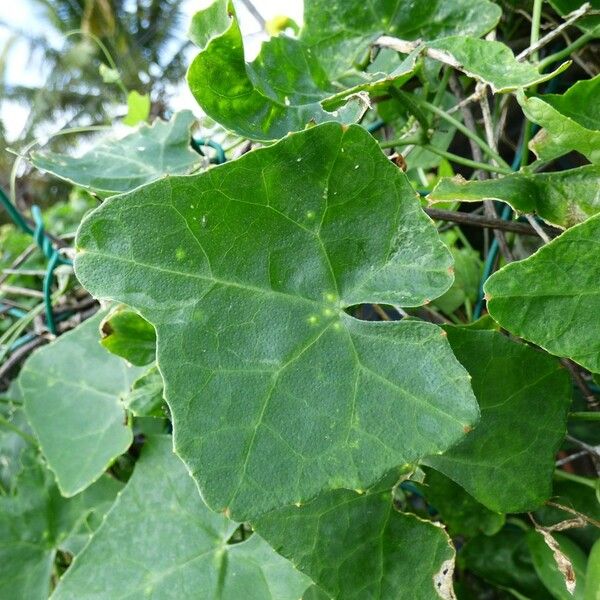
x=338, y=338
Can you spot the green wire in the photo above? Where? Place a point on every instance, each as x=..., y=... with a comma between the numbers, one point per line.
x=45, y=245
x=197, y=144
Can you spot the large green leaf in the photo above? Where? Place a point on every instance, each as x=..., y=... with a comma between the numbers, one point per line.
x=459, y=511
x=570, y=121
x=71, y=390
x=564, y=198
x=507, y=461
x=356, y=546
x=552, y=298
x=161, y=541
x=276, y=392
x=297, y=81
x=491, y=62
x=116, y=165
x=36, y=521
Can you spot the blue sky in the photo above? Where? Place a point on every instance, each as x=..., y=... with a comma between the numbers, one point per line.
x=21, y=16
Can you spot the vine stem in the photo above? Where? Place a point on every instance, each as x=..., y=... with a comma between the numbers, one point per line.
x=536, y=18
x=560, y=474
x=578, y=43
x=584, y=416
x=467, y=162
x=413, y=141
x=104, y=50
x=463, y=129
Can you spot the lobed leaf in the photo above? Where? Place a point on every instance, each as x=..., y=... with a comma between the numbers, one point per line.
x=120, y=164
x=160, y=540
x=36, y=521
x=357, y=545
x=570, y=121
x=71, y=391
x=562, y=198
x=276, y=392
x=552, y=298
x=459, y=511
x=507, y=462
x=314, y=78
x=492, y=63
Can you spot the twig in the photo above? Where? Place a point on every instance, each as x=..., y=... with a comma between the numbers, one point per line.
x=572, y=511
x=570, y=19
x=488, y=205
x=384, y=316
x=486, y=222
x=19, y=261
x=406, y=47
x=581, y=384
x=16, y=357
x=19, y=291
x=593, y=451
x=538, y=228
x=570, y=458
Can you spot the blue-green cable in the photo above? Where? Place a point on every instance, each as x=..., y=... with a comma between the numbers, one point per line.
x=46, y=246
x=198, y=143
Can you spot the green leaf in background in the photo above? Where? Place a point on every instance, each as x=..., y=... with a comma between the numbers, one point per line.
x=298, y=81
x=12, y=445
x=592, y=579
x=71, y=390
x=116, y=165
x=356, y=546
x=491, y=62
x=138, y=108
x=564, y=198
x=460, y=512
x=276, y=392
x=128, y=335
x=507, y=462
x=161, y=541
x=467, y=274
x=36, y=521
x=553, y=298
x=146, y=396
x=569, y=121
x=504, y=560
x=547, y=569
